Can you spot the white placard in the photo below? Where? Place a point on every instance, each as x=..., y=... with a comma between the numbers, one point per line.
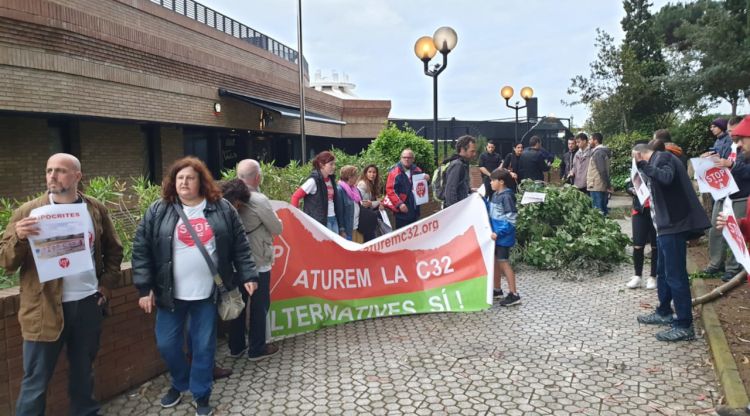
x=384, y=217
x=533, y=197
x=420, y=189
x=63, y=246
x=641, y=190
x=733, y=235
x=718, y=181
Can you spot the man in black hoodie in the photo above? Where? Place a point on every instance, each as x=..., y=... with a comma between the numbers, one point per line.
x=532, y=163
x=457, y=183
x=678, y=217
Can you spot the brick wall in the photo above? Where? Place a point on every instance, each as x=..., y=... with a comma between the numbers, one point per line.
x=172, y=147
x=127, y=356
x=112, y=149
x=23, y=157
x=86, y=57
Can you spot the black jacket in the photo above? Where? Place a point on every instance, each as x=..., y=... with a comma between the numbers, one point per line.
x=457, y=181
x=316, y=205
x=674, y=205
x=566, y=165
x=741, y=175
x=531, y=165
x=153, y=249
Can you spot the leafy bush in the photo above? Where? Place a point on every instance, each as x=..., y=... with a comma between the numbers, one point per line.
x=621, y=146
x=386, y=148
x=566, y=234
x=693, y=134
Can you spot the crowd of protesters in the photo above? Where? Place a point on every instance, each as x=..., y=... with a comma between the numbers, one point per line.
x=202, y=235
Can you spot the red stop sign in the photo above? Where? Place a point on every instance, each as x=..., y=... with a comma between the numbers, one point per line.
x=421, y=189
x=717, y=178
x=64, y=262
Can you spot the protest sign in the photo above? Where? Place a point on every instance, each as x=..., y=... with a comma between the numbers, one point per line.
x=718, y=181
x=443, y=263
x=733, y=235
x=639, y=185
x=420, y=189
x=62, y=247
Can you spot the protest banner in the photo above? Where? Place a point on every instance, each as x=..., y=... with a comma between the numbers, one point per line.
x=639, y=185
x=62, y=247
x=718, y=181
x=420, y=189
x=443, y=263
x=733, y=235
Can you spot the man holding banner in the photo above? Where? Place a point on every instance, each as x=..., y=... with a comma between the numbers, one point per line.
x=678, y=217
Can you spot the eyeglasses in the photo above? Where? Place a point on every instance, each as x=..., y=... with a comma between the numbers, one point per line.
x=407, y=157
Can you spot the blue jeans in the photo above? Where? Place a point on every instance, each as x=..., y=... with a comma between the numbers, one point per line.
x=333, y=224
x=672, y=279
x=170, y=339
x=260, y=302
x=80, y=336
x=600, y=201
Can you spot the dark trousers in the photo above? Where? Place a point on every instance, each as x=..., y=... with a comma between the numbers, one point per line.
x=83, y=326
x=260, y=302
x=672, y=279
x=600, y=200
x=404, y=221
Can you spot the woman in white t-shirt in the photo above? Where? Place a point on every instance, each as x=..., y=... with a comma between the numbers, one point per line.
x=175, y=279
x=319, y=193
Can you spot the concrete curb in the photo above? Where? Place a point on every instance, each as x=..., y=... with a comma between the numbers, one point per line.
x=725, y=367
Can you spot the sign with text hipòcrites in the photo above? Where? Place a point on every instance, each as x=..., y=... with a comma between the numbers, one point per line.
x=438, y=264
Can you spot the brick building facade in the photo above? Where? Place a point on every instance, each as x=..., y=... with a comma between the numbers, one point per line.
x=130, y=85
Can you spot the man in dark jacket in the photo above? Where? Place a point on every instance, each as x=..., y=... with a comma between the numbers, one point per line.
x=488, y=161
x=398, y=190
x=531, y=164
x=566, y=164
x=723, y=142
x=457, y=182
x=678, y=217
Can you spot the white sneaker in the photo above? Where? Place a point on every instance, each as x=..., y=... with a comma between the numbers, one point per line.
x=634, y=282
x=651, y=283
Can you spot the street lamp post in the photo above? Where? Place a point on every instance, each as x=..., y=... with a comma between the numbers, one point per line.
x=507, y=92
x=444, y=40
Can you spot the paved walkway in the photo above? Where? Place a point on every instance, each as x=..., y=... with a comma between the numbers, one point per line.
x=569, y=349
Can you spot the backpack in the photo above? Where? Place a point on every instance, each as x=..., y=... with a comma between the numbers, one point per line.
x=438, y=181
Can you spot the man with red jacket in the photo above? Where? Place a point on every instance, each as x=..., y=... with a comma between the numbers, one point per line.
x=398, y=190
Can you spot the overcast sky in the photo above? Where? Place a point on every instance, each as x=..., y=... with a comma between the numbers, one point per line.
x=539, y=43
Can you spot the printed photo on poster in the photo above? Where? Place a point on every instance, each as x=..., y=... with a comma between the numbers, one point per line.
x=62, y=247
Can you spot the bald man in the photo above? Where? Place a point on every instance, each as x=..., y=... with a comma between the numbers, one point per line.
x=63, y=312
x=262, y=225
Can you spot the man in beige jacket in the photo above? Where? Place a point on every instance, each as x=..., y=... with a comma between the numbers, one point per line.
x=261, y=225
x=66, y=311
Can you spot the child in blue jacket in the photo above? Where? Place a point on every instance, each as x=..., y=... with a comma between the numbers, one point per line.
x=503, y=212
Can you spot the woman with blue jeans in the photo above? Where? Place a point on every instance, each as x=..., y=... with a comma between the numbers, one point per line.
x=174, y=278
x=319, y=193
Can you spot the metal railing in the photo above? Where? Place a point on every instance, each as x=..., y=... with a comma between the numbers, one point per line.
x=231, y=27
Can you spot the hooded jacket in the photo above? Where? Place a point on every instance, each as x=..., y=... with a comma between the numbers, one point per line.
x=597, y=176
x=457, y=180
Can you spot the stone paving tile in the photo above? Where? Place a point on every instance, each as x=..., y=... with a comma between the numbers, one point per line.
x=571, y=348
